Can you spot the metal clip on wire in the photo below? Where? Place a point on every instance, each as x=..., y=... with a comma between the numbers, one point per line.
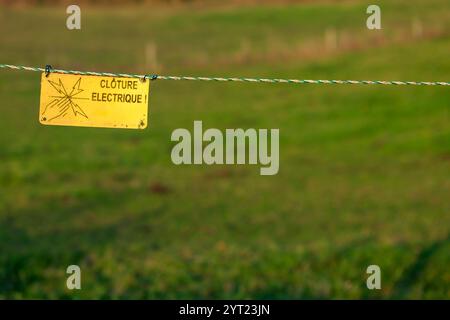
x=48, y=69
x=152, y=77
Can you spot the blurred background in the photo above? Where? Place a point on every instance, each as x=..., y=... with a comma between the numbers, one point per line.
x=364, y=170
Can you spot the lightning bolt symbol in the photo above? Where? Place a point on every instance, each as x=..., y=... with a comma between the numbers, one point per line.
x=58, y=87
x=76, y=88
x=64, y=102
x=76, y=109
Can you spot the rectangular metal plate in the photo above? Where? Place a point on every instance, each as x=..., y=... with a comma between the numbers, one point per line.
x=93, y=101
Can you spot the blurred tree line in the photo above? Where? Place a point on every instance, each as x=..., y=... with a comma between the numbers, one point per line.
x=122, y=2
x=94, y=2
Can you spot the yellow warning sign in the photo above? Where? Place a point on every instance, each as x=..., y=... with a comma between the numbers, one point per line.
x=93, y=101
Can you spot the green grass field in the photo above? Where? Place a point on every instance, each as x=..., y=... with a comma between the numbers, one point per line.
x=364, y=170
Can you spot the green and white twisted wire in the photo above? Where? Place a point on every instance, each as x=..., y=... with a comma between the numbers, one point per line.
x=231, y=79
